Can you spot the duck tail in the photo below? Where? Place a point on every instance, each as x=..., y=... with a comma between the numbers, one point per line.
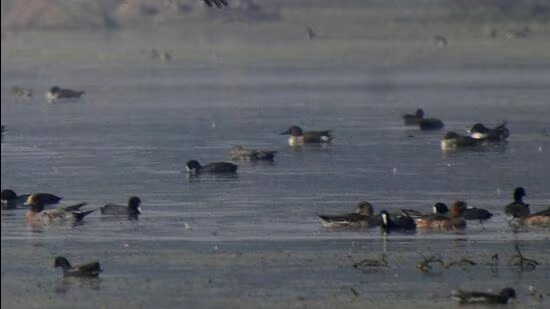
x=79, y=215
x=74, y=207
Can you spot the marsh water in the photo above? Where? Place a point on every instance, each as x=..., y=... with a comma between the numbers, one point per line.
x=254, y=240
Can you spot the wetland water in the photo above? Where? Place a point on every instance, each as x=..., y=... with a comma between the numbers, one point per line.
x=254, y=240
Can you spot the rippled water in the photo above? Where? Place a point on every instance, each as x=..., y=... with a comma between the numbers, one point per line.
x=254, y=240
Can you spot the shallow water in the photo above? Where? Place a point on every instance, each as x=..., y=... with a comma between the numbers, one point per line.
x=254, y=240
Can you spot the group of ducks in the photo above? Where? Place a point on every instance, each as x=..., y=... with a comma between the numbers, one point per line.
x=41, y=207
x=478, y=134
x=54, y=94
x=439, y=219
x=297, y=137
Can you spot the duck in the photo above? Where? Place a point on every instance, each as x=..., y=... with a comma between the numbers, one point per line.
x=36, y=212
x=57, y=93
x=20, y=92
x=218, y=3
x=541, y=218
x=401, y=222
x=442, y=221
x=132, y=209
x=518, y=208
x=453, y=140
x=194, y=167
x=438, y=208
x=11, y=200
x=299, y=137
x=362, y=217
x=91, y=269
x=241, y=153
x=160, y=56
x=474, y=213
x=469, y=297
x=497, y=134
x=409, y=119
x=430, y=124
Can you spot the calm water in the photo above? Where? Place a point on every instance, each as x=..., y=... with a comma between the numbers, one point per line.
x=254, y=240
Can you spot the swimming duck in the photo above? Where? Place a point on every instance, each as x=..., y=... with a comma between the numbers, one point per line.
x=480, y=131
x=430, y=124
x=132, y=209
x=91, y=269
x=518, y=208
x=240, y=153
x=194, y=167
x=465, y=297
x=11, y=200
x=218, y=3
x=160, y=56
x=56, y=93
x=36, y=212
x=538, y=218
x=474, y=213
x=437, y=209
x=20, y=92
x=441, y=221
x=409, y=119
x=362, y=217
x=298, y=137
x=402, y=222
x=453, y=140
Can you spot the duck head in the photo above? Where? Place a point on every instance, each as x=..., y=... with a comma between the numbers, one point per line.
x=134, y=203
x=294, y=131
x=35, y=203
x=519, y=193
x=365, y=208
x=458, y=208
x=8, y=195
x=440, y=208
x=62, y=262
x=419, y=113
x=193, y=166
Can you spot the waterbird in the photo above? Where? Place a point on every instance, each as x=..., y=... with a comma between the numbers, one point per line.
x=473, y=297
x=132, y=209
x=299, y=137
x=91, y=269
x=194, y=167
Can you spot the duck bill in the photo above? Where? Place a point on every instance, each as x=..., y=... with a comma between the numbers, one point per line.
x=139, y=209
x=285, y=132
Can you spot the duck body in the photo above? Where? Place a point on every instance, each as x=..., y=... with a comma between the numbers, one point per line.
x=11, y=200
x=476, y=214
x=194, y=167
x=20, y=92
x=56, y=93
x=469, y=297
x=241, y=153
x=299, y=137
x=91, y=269
x=413, y=120
x=402, y=222
x=430, y=124
x=540, y=218
x=497, y=134
x=218, y=3
x=132, y=209
x=453, y=140
x=443, y=222
x=363, y=217
x=36, y=212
